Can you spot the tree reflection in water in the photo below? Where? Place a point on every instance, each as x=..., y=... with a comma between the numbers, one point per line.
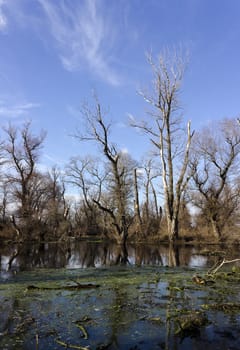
x=173, y=255
x=84, y=254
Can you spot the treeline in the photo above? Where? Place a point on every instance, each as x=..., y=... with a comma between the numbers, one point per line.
x=188, y=188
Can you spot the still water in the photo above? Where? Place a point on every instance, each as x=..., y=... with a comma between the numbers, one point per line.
x=86, y=295
x=85, y=254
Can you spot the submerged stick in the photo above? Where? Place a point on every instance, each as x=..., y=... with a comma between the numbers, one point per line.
x=37, y=340
x=71, y=346
x=83, y=330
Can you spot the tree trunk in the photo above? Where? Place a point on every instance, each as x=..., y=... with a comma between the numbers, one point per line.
x=216, y=229
x=136, y=203
x=122, y=255
x=124, y=230
x=173, y=233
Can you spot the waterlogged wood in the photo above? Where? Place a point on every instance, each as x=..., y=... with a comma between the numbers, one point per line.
x=71, y=346
x=77, y=287
x=225, y=307
x=83, y=330
x=191, y=322
x=202, y=281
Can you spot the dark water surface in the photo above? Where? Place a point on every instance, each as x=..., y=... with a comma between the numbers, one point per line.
x=84, y=254
x=136, y=297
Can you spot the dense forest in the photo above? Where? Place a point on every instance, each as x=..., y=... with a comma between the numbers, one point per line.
x=186, y=189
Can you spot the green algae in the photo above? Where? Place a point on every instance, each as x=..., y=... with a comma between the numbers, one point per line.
x=227, y=307
x=133, y=306
x=190, y=322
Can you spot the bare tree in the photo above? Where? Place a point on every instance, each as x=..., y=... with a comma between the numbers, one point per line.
x=56, y=208
x=164, y=128
x=151, y=211
x=84, y=173
x=4, y=192
x=22, y=153
x=115, y=203
x=215, y=176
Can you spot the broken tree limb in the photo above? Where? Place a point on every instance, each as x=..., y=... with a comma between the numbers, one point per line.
x=215, y=268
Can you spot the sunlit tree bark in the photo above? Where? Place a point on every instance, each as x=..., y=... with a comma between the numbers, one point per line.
x=165, y=130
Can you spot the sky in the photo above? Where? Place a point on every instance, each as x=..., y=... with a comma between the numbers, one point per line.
x=55, y=53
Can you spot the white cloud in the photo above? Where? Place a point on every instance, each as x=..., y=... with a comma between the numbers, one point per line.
x=84, y=36
x=124, y=150
x=3, y=18
x=16, y=110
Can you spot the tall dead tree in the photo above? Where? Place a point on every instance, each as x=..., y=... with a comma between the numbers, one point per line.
x=165, y=131
x=116, y=206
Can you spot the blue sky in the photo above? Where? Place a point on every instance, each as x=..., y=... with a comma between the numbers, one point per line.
x=54, y=53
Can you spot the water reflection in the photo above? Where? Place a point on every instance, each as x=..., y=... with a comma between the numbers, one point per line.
x=86, y=254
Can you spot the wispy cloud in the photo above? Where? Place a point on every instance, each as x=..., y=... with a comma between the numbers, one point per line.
x=120, y=125
x=3, y=18
x=8, y=110
x=84, y=36
x=124, y=150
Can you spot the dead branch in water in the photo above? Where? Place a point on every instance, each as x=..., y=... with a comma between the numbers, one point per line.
x=217, y=266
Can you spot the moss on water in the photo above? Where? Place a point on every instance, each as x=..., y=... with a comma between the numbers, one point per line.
x=139, y=307
x=227, y=307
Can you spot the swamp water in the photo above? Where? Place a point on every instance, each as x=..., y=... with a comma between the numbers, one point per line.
x=49, y=301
